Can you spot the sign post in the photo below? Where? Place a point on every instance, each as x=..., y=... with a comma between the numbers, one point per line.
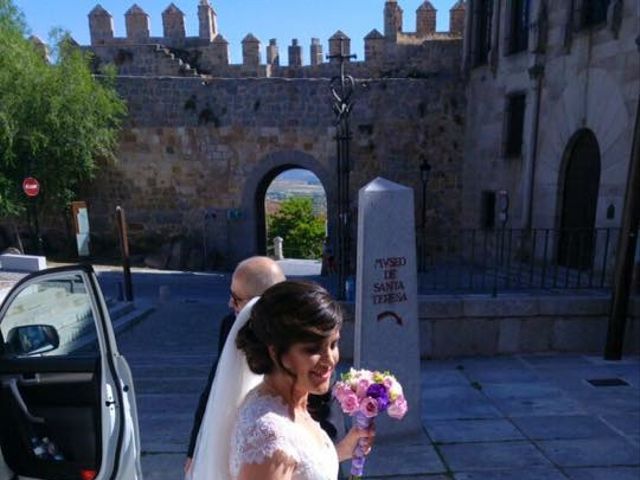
x=80, y=217
x=387, y=324
x=124, y=250
x=31, y=188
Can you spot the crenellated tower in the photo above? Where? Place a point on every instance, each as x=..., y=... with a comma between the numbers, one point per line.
x=392, y=19
x=374, y=46
x=457, y=16
x=207, y=52
x=339, y=44
x=100, y=26
x=173, y=24
x=273, y=53
x=40, y=47
x=316, y=56
x=295, y=54
x=137, y=25
x=426, y=19
x=250, y=51
x=208, y=21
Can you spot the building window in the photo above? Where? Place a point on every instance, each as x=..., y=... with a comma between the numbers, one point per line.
x=488, y=214
x=593, y=12
x=514, y=127
x=519, y=26
x=482, y=31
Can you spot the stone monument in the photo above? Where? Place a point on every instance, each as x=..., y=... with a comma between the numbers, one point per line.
x=387, y=325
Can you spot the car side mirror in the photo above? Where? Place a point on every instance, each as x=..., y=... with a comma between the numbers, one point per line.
x=32, y=340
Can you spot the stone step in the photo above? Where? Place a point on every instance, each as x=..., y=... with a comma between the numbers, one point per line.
x=183, y=68
x=118, y=310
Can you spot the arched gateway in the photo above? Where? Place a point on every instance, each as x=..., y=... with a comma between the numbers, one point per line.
x=258, y=182
x=580, y=187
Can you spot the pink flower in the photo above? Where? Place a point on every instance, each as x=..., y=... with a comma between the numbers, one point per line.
x=341, y=390
x=369, y=407
x=362, y=386
x=349, y=402
x=398, y=408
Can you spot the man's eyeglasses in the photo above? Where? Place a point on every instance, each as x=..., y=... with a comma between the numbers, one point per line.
x=235, y=298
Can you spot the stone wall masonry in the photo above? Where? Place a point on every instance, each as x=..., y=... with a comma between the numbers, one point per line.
x=454, y=326
x=441, y=56
x=142, y=60
x=193, y=146
x=591, y=82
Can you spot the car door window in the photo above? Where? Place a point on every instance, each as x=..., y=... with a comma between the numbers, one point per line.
x=53, y=317
x=67, y=407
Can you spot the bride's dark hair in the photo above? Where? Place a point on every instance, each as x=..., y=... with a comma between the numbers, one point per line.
x=287, y=313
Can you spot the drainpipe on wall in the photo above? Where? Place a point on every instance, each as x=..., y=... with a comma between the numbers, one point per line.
x=494, y=51
x=536, y=73
x=538, y=35
x=626, y=250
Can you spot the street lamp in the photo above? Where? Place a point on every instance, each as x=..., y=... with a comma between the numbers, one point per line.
x=425, y=172
x=342, y=90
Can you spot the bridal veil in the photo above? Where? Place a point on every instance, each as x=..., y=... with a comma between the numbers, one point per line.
x=232, y=381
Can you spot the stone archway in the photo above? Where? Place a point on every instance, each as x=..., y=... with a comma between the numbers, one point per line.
x=258, y=182
x=580, y=189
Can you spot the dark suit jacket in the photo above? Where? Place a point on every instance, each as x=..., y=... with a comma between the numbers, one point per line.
x=321, y=407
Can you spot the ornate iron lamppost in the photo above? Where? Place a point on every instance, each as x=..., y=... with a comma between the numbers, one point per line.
x=342, y=90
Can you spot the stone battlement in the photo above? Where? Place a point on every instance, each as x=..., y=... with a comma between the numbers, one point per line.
x=395, y=52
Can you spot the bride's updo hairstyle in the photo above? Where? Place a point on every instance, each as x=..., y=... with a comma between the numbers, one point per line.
x=287, y=313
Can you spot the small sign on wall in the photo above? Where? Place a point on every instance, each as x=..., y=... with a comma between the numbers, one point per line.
x=234, y=214
x=80, y=215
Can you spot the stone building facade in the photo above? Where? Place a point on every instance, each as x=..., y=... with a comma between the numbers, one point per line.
x=205, y=138
x=552, y=90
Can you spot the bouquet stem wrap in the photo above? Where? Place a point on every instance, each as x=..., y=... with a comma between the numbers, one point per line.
x=358, y=459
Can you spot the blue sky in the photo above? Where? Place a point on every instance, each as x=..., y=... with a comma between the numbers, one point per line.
x=280, y=19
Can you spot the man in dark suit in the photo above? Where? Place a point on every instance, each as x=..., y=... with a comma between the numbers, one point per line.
x=250, y=279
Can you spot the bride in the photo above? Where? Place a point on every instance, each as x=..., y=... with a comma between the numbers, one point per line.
x=256, y=424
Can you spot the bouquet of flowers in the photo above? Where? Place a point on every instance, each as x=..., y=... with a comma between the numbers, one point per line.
x=364, y=395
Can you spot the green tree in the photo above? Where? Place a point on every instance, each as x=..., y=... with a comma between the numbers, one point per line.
x=302, y=231
x=56, y=119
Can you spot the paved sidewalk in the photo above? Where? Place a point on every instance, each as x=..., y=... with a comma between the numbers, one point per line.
x=533, y=417
x=524, y=417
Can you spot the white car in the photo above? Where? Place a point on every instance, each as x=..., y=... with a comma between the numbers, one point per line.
x=67, y=402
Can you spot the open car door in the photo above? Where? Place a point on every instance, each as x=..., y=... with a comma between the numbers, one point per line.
x=67, y=402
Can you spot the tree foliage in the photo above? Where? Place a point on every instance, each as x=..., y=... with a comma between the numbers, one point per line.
x=56, y=119
x=302, y=231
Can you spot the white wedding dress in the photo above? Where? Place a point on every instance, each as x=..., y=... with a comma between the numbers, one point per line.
x=263, y=427
x=259, y=424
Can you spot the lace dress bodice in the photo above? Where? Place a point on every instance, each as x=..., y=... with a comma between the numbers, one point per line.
x=263, y=427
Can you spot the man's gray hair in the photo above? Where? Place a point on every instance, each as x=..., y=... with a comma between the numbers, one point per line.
x=258, y=274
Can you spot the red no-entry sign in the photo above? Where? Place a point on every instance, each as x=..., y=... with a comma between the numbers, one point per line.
x=31, y=187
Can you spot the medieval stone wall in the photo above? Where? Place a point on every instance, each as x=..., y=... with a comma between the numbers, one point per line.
x=205, y=136
x=426, y=50
x=196, y=155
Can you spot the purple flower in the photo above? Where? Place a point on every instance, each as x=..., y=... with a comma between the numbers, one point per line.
x=380, y=394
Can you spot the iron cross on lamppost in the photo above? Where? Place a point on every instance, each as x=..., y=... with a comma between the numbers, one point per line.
x=342, y=90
